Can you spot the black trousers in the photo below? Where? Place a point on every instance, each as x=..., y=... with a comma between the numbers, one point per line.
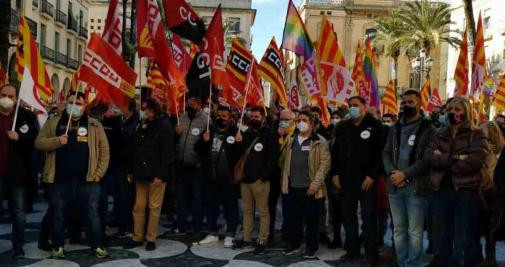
x=302, y=208
x=336, y=216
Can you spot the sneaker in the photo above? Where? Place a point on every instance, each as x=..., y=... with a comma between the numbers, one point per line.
x=124, y=235
x=290, y=251
x=150, y=246
x=260, y=249
x=133, y=244
x=228, y=242
x=241, y=244
x=309, y=255
x=18, y=253
x=57, y=253
x=101, y=253
x=209, y=239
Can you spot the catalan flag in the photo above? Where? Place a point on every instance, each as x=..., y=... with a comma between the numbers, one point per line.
x=28, y=58
x=478, y=62
x=389, y=101
x=461, y=73
x=3, y=76
x=499, y=99
x=271, y=68
x=358, y=75
x=370, y=68
x=296, y=37
x=425, y=94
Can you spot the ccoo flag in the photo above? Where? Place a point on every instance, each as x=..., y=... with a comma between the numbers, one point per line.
x=113, y=27
x=183, y=20
x=271, y=68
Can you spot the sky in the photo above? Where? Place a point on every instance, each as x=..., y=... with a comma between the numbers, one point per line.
x=270, y=18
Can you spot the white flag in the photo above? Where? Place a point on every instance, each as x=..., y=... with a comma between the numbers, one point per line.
x=28, y=94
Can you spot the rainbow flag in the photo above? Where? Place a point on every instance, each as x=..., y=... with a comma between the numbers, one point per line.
x=370, y=68
x=295, y=36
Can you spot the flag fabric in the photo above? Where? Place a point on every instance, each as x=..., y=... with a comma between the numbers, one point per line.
x=337, y=83
x=370, y=69
x=271, y=69
x=145, y=23
x=164, y=92
x=293, y=90
x=193, y=49
x=358, y=75
x=296, y=37
x=499, y=100
x=478, y=62
x=425, y=94
x=113, y=27
x=3, y=76
x=239, y=61
x=106, y=71
x=183, y=20
x=28, y=93
x=461, y=72
x=389, y=99
x=28, y=59
x=181, y=56
x=253, y=90
x=435, y=101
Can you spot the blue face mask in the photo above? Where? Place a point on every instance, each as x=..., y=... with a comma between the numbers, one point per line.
x=354, y=112
x=75, y=110
x=284, y=124
x=442, y=119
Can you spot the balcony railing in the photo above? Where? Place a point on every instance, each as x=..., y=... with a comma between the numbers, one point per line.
x=83, y=32
x=35, y=3
x=47, y=52
x=61, y=59
x=14, y=21
x=72, y=63
x=47, y=8
x=33, y=27
x=72, y=24
x=61, y=17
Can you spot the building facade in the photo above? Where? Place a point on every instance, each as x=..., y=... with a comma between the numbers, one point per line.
x=60, y=30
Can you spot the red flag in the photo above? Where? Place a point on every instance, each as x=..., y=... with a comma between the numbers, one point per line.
x=181, y=56
x=106, y=71
x=435, y=101
x=253, y=87
x=239, y=61
x=183, y=20
x=113, y=27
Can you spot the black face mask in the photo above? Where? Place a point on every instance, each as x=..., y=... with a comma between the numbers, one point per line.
x=409, y=112
x=191, y=112
x=255, y=124
x=221, y=124
x=456, y=119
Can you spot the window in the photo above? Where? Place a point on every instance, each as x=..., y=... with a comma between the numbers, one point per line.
x=91, y=27
x=43, y=34
x=234, y=25
x=321, y=13
x=57, y=41
x=206, y=20
x=99, y=28
x=487, y=22
x=328, y=12
x=69, y=47
x=99, y=20
x=69, y=9
x=58, y=4
x=92, y=20
x=79, y=53
x=372, y=33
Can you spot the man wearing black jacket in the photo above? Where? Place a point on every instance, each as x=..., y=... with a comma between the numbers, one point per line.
x=262, y=143
x=150, y=161
x=216, y=147
x=356, y=164
x=16, y=148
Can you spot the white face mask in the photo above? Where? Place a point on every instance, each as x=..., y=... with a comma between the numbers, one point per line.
x=334, y=121
x=206, y=110
x=6, y=103
x=302, y=126
x=143, y=115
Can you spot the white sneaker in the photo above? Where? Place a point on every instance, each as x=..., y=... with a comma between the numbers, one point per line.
x=228, y=242
x=209, y=239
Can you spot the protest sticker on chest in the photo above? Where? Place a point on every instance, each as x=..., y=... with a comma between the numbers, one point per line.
x=24, y=129
x=365, y=134
x=195, y=131
x=412, y=140
x=258, y=147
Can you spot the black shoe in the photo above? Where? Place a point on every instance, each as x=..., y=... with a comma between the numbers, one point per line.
x=429, y=250
x=290, y=251
x=434, y=262
x=260, y=249
x=309, y=255
x=150, y=246
x=133, y=244
x=351, y=257
x=44, y=245
x=336, y=243
x=74, y=240
x=323, y=238
x=241, y=244
x=18, y=253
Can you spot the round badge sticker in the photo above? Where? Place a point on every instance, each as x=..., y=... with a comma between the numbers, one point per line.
x=412, y=140
x=365, y=134
x=24, y=129
x=195, y=131
x=230, y=140
x=258, y=147
x=82, y=131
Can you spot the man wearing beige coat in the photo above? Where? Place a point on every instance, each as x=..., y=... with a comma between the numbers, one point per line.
x=307, y=161
x=75, y=163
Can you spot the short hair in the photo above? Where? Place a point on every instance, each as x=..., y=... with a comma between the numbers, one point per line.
x=78, y=94
x=315, y=109
x=412, y=92
x=16, y=88
x=261, y=110
x=361, y=99
x=153, y=105
x=223, y=108
x=287, y=112
x=132, y=105
x=309, y=115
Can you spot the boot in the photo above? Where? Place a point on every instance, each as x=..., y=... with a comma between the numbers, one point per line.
x=490, y=260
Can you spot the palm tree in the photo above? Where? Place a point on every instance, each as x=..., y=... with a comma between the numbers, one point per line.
x=470, y=19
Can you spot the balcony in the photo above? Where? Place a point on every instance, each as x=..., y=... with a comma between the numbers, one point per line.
x=72, y=63
x=33, y=27
x=61, y=59
x=47, y=53
x=14, y=21
x=83, y=33
x=35, y=4
x=61, y=18
x=72, y=25
x=47, y=9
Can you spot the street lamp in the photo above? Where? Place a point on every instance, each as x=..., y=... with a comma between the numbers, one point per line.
x=422, y=64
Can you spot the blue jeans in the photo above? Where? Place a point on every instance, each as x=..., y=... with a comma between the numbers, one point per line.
x=408, y=213
x=466, y=204
x=75, y=195
x=17, y=199
x=190, y=185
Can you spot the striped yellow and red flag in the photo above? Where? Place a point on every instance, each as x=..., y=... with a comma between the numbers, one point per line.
x=425, y=94
x=271, y=68
x=461, y=72
x=389, y=99
x=478, y=62
x=164, y=92
x=499, y=99
x=358, y=75
x=28, y=57
x=3, y=76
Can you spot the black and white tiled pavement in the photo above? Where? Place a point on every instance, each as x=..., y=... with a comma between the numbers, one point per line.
x=171, y=251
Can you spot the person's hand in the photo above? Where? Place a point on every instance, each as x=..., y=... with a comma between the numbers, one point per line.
x=312, y=190
x=367, y=184
x=206, y=136
x=63, y=140
x=437, y=152
x=178, y=129
x=402, y=184
x=129, y=178
x=336, y=181
x=157, y=181
x=238, y=137
x=14, y=136
x=397, y=178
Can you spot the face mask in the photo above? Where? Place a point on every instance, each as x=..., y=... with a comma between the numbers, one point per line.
x=206, y=110
x=456, y=118
x=388, y=124
x=143, y=115
x=354, y=112
x=284, y=124
x=255, y=124
x=409, y=112
x=334, y=121
x=302, y=127
x=75, y=110
x=6, y=102
x=220, y=123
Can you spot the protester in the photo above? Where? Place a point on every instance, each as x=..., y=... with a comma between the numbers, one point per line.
x=408, y=181
x=75, y=162
x=456, y=156
x=16, y=148
x=356, y=163
x=216, y=148
x=389, y=119
x=260, y=147
x=306, y=163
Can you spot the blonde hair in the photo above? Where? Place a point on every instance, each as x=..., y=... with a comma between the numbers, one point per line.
x=467, y=107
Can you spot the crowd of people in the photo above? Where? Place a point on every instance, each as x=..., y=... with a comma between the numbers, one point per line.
x=441, y=174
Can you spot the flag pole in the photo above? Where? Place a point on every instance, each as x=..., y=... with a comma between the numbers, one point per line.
x=16, y=115
x=249, y=73
x=210, y=97
x=70, y=115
